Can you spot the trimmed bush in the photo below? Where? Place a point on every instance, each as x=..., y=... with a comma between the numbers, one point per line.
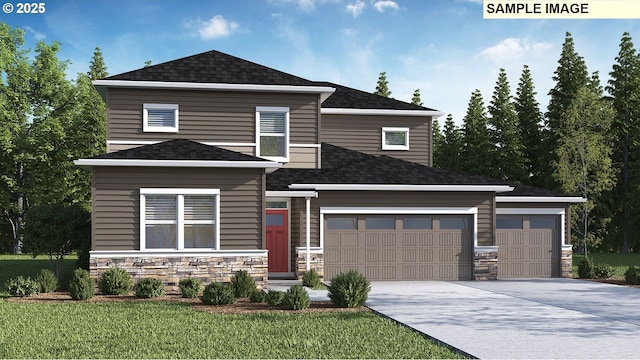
x=311, y=279
x=47, y=281
x=81, y=285
x=242, y=284
x=115, y=281
x=190, y=287
x=21, y=286
x=274, y=297
x=632, y=275
x=149, y=288
x=218, y=294
x=585, y=269
x=349, y=290
x=603, y=271
x=258, y=296
x=296, y=298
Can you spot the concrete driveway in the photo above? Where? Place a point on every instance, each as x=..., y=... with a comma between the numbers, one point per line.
x=509, y=319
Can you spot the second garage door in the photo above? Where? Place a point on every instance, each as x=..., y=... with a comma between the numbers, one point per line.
x=399, y=247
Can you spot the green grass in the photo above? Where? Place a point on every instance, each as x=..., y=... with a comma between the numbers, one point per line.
x=25, y=265
x=620, y=262
x=175, y=330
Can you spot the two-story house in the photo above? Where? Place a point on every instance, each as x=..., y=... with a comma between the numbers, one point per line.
x=217, y=164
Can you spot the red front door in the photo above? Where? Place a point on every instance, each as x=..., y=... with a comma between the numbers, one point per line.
x=278, y=240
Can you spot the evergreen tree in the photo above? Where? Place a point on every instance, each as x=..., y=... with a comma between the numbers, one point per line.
x=97, y=67
x=477, y=150
x=382, y=88
x=584, y=164
x=437, y=140
x=530, y=118
x=415, y=100
x=624, y=88
x=508, y=158
x=570, y=76
x=451, y=150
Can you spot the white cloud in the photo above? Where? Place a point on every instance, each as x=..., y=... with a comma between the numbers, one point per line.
x=36, y=34
x=512, y=48
x=356, y=8
x=385, y=5
x=216, y=27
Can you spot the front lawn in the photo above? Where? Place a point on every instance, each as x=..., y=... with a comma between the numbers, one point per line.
x=25, y=265
x=176, y=330
x=619, y=262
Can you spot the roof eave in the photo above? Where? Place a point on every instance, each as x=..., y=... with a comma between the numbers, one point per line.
x=396, y=187
x=89, y=163
x=354, y=111
x=540, y=199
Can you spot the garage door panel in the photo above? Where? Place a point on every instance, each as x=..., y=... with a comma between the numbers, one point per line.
x=417, y=239
x=379, y=239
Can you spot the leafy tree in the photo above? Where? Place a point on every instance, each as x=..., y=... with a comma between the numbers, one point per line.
x=624, y=87
x=584, y=163
x=530, y=118
x=508, y=158
x=55, y=230
x=570, y=76
x=437, y=141
x=382, y=88
x=415, y=100
x=451, y=149
x=477, y=150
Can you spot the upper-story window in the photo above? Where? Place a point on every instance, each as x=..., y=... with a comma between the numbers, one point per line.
x=395, y=138
x=160, y=117
x=272, y=133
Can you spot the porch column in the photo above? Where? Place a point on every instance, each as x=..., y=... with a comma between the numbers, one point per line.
x=308, y=232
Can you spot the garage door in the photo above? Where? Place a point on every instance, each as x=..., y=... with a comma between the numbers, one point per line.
x=399, y=247
x=528, y=245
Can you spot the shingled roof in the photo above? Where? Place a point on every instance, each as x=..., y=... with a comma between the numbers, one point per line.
x=213, y=67
x=349, y=98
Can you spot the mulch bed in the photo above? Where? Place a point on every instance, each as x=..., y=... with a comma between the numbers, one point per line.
x=615, y=281
x=242, y=306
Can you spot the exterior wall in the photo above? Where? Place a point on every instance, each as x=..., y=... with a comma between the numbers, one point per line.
x=116, y=208
x=170, y=270
x=364, y=133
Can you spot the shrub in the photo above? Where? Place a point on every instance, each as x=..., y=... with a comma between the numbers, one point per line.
x=632, y=275
x=190, y=287
x=243, y=284
x=603, y=271
x=81, y=285
x=585, y=269
x=258, y=296
x=115, y=281
x=149, y=288
x=47, y=281
x=311, y=279
x=349, y=290
x=20, y=286
x=274, y=297
x=296, y=298
x=218, y=294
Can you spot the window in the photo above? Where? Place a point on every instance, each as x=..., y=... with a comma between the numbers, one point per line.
x=276, y=204
x=342, y=223
x=179, y=219
x=508, y=222
x=542, y=222
x=454, y=223
x=160, y=117
x=380, y=223
x=417, y=223
x=395, y=138
x=272, y=133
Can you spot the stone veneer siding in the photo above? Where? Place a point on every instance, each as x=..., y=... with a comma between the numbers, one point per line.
x=566, y=261
x=485, y=264
x=317, y=263
x=171, y=269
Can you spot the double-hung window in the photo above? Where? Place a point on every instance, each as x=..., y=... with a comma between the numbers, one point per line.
x=179, y=219
x=395, y=138
x=272, y=133
x=160, y=117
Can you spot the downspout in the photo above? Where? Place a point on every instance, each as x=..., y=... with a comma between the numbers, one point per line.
x=308, y=230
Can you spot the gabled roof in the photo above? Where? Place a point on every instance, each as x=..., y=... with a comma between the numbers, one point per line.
x=348, y=98
x=177, y=153
x=212, y=67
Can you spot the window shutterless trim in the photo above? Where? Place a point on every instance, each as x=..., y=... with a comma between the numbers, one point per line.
x=386, y=130
x=150, y=128
x=259, y=134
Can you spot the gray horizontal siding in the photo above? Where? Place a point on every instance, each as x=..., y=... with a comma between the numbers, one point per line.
x=116, y=193
x=214, y=116
x=364, y=133
x=483, y=201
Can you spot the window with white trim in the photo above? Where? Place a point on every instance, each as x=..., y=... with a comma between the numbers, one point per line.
x=272, y=133
x=179, y=219
x=395, y=138
x=160, y=117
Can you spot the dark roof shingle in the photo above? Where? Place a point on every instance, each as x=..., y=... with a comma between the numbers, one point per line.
x=349, y=98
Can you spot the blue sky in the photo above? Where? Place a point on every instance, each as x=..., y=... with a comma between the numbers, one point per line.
x=442, y=47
